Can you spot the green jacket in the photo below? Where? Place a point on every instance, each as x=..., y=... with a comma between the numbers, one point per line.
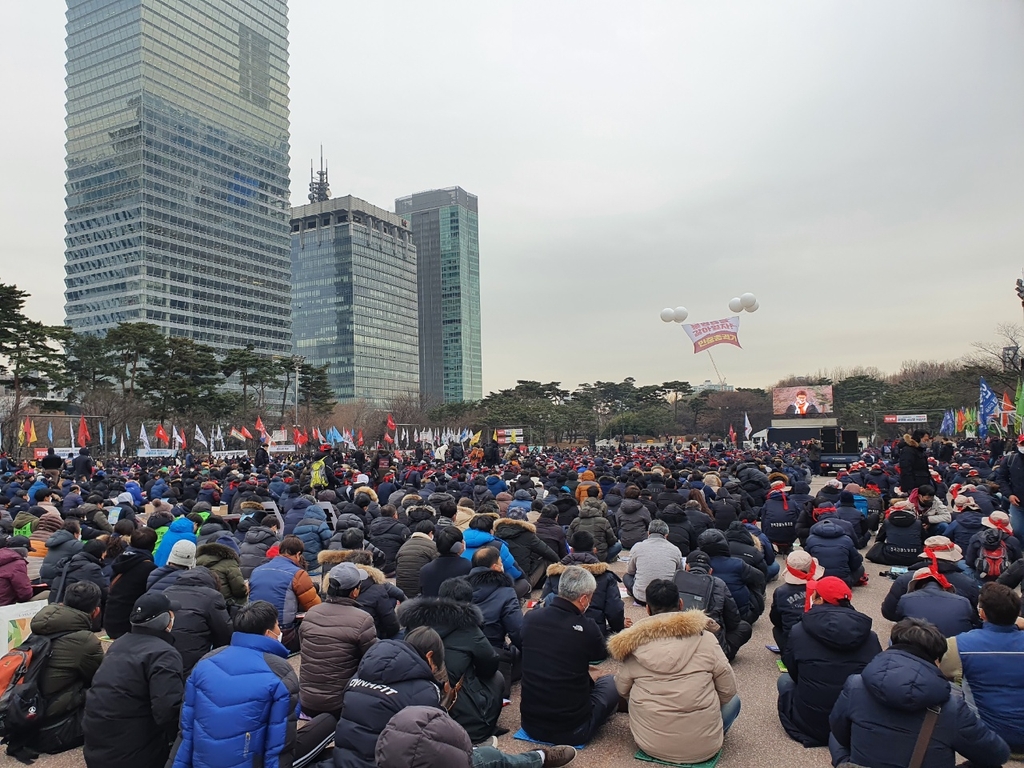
x=224, y=561
x=75, y=659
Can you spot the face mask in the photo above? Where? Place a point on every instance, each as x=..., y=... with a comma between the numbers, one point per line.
x=1020, y=449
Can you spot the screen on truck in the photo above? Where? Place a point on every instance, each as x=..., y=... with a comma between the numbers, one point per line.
x=802, y=401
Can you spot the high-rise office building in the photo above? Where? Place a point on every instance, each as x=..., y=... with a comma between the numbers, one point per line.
x=177, y=169
x=446, y=233
x=354, y=305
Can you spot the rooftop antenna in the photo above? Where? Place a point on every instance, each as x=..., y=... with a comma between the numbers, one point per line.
x=319, y=189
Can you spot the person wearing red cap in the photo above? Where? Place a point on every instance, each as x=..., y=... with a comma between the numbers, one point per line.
x=1009, y=473
x=831, y=642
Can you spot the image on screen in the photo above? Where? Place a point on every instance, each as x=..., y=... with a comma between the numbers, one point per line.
x=802, y=401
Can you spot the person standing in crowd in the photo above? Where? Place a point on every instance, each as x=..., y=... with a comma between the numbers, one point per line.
x=683, y=681
x=913, y=463
x=561, y=704
x=241, y=701
x=131, y=710
x=1009, y=474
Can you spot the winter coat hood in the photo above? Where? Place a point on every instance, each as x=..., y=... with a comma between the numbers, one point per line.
x=593, y=508
x=660, y=627
x=391, y=661
x=60, y=537
x=843, y=629
x=423, y=737
x=590, y=565
x=440, y=613
x=507, y=527
x=904, y=681
x=216, y=552
x=827, y=529
x=60, y=618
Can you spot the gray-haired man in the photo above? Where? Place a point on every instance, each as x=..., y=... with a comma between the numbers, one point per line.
x=653, y=558
x=561, y=703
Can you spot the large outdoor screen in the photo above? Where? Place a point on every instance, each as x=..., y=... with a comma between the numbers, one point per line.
x=802, y=401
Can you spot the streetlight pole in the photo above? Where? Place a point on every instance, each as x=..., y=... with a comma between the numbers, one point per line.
x=298, y=364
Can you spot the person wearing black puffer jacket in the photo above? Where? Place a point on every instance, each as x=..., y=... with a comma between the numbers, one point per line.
x=468, y=656
x=201, y=623
x=387, y=534
x=830, y=545
x=530, y=553
x=130, y=572
x=745, y=546
x=745, y=582
x=726, y=509
x=680, y=531
x=847, y=510
x=779, y=517
x=900, y=538
x=632, y=519
x=550, y=532
x=606, y=607
x=830, y=643
x=258, y=541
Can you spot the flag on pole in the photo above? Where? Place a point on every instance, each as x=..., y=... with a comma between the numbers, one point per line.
x=201, y=438
x=71, y=429
x=161, y=434
x=947, y=426
x=988, y=407
x=388, y=438
x=1006, y=411
x=732, y=434
x=475, y=439
x=234, y=433
x=49, y=433
x=127, y=433
x=391, y=422
x=246, y=434
x=113, y=436
x=359, y=438
x=102, y=441
x=83, y=432
x=30, y=431
x=261, y=429
x=747, y=429
x=143, y=436
x=122, y=445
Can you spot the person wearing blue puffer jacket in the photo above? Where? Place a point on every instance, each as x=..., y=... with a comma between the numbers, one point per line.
x=181, y=529
x=966, y=522
x=241, y=702
x=479, y=535
x=779, y=517
x=296, y=512
x=746, y=583
x=831, y=545
x=315, y=534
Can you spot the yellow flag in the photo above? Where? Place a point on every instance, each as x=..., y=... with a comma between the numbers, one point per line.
x=32, y=433
x=494, y=437
x=476, y=438
x=512, y=436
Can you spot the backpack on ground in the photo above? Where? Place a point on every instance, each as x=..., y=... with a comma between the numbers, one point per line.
x=993, y=557
x=318, y=474
x=22, y=706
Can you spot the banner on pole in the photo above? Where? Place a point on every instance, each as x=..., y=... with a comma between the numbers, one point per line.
x=714, y=332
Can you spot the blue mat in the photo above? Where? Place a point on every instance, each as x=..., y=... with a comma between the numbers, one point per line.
x=522, y=735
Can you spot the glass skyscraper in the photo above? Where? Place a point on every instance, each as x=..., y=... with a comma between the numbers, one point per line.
x=177, y=169
x=354, y=305
x=446, y=233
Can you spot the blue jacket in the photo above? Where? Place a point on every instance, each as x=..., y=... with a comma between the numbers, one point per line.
x=778, y=522
x=834, y=549
x=276, y=487
x=136, y=491
x=158, y=490
x=878, y=715
x=745, y=582
x=964, y=526
x=315, y=535
x=296, y=513
x=496, y=485
x=391, y=677
x=272, y=582
x=240, y=707
x=993, y=664
x=475, y=539
x=494, y=595
x=950, y=612
x=179, y=530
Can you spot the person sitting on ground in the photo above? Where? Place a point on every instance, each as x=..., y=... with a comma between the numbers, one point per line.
x=415, y=553
x=377, y=596
x=222, y=558
x=242, y=700
x=352, y=539
x=62, y=545
x=427, y=737
x=779, y=517
x=700, y=588
x=945, y=557
x=930, y=596
x=497, y=600
x=388, y=535
x=131, y=710
x=880, y=713
x=181, y=558
x=470, y=659
x=993, y=549
x=15, y=586
x=679, y=679
x=75, y=657
x=788, y=600
x=594, y=520
x=653, y=558
x=130, y=572
x=181, y=529
x=259, y=538
x=480, y=535
x=335, y=635
x=532, y=555
x=831, y=642
x=284, y=583
x=561, y=703
x=449, y=563
x=990, y=662
x=606, y=609
x=746, y=583
x=900, y=538
x=831, y=546
x=201, y=622
x=967, y=522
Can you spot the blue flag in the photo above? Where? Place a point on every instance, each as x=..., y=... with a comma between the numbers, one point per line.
x=948, y=426
x=49, y=433
x=988, y=407
x=101, y=433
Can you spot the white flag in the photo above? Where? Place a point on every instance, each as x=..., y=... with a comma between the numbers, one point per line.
x=71, y=429
x=122, y=444
x=144, y=437
x=175, y=436
x=746, y=427
x=201, y=438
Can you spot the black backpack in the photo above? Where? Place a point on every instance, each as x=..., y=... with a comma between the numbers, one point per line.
x=22, y=705
x=696, y=591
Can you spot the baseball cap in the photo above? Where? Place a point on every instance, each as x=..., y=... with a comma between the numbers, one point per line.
x=345, y=576
x=151, y=605
x=831, y=589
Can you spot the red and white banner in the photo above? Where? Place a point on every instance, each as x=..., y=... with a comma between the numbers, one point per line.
x=706, y=335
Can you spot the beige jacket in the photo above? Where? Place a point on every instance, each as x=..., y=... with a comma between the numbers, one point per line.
x=677, y=679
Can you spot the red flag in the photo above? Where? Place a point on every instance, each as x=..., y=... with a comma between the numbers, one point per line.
x=388, y=438
x=359, y=438
x=391, y=422
x=159, y=434
x=259, y=426
x=246, y=434
x=305, y=437
x=83, y=432
x=732, y=433
x=296, y=436
x=181, y=438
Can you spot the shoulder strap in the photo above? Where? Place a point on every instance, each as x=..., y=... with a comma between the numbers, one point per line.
x=924, y=738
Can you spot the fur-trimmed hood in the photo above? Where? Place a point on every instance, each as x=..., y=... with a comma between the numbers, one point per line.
x=661, y=627
x=367, y=490
x=595, y=569
x=331, y=557
x=216, y=551
x=440, y=613
x=510, y=522
x=485, y=577
x=911, y=441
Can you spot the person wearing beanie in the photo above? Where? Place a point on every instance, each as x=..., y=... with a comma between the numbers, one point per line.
x=699, y=588
x=831, y=642
x=334, y=637
x=131, y=710
x=789, y=598
x=181, y=558
x=448, y=564
x=180, y=529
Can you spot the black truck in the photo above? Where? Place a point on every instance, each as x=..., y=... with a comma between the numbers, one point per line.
x=839, y=447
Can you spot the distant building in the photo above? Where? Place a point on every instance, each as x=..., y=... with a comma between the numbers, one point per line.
x=446, y=233
x=709, y=386
x=354, y=298
x=177, y=169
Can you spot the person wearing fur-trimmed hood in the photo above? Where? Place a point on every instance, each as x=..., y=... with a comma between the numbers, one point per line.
x=677, y=679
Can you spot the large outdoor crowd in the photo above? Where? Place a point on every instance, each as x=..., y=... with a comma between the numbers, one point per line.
x=419, y=589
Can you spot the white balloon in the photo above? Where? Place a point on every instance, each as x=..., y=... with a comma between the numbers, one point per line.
x=748, y=300
x=668, y=315
x=736, y=305
x=680, y=314
x=754, y=307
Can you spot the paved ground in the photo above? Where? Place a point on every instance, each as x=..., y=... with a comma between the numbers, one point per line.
x=755, y=740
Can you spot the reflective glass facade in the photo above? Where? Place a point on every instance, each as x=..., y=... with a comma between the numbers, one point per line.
x=177, y=169
x=445, y=230
x=354, y=298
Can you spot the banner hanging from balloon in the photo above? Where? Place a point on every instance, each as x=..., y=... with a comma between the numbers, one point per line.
x=709, y=334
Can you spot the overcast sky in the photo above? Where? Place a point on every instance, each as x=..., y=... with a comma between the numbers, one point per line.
x=859, y=167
